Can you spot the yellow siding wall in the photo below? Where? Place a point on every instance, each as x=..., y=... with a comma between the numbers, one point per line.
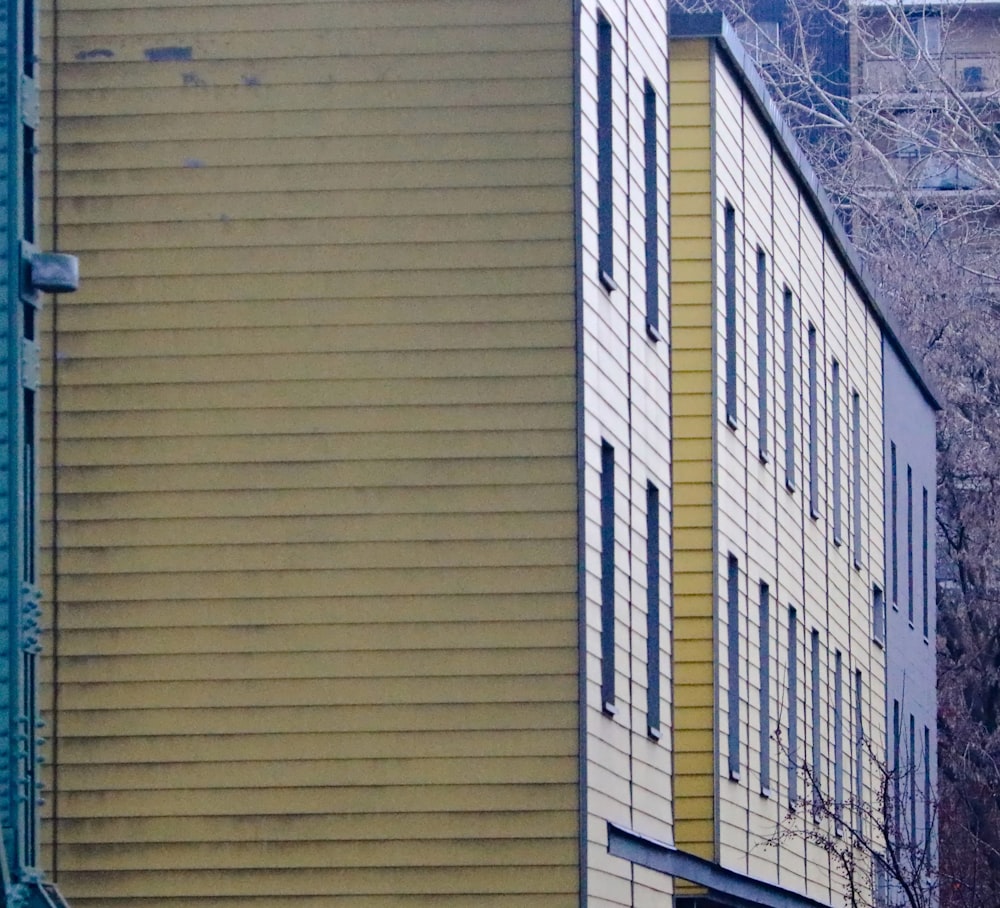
x=312, y=466
x=732, y=501
x=626, y=403
x=691, y=338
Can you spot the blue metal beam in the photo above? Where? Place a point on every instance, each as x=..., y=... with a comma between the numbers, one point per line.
x=23, y=275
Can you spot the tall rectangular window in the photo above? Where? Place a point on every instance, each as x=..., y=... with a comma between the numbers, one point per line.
x=856, y=477
x=652, y=213
x=816, y=720
x=608, y=577
x=652, y=610
x=605, y=155
x=896, y=768
x=928, y=802
x=893, y=525
x=762, y=320
x=765, y=688
x=909, y=543
x=813, y=426
x=878, y=614
x=925, y=565
x=838, y=735
x=859, y=751
x=793, y=707
x=911, y=772
x=835, y=441
x=788, y=312
x=733, y=616
x=730, y=278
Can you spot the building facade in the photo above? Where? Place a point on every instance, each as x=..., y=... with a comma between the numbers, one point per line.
x=781, y=364
x=402, y=465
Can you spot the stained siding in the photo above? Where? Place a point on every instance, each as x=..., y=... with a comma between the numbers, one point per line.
x=315, y=444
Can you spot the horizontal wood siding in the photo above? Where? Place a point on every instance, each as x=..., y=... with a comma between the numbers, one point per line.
x=311, y=471
x=692, y=326
x=626, y=404
x=772, y=530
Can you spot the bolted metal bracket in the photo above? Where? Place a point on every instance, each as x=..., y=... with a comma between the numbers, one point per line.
x=54, y=272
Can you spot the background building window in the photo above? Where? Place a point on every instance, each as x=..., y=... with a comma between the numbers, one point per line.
x=878, y=614
x=909, y=544
x=835, y=441
x=813, y=426
x=925, y=564
x=894, y=525
x=729, y=254
x=733, y=618
x=838, y=736
x=856, y=477
x=608, y=577
x=788, y=331
x=605, y=155
x=653, y=610
x=816, y=722
x=762, y=320
x=859, y=752
x=764, y=657
x=793, y=707
x=652, y=213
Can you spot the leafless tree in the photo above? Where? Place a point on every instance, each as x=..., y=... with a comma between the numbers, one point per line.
x=882, y=860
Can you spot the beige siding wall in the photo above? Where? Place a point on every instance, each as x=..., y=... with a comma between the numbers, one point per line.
x=772, y=530
x=626, y=404
x=737, y=503
x=312, y=466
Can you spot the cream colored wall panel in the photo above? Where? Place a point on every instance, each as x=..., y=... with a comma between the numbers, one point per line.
x=625, y=404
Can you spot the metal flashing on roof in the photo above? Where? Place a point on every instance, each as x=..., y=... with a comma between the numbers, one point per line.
x=725, y=888
x=715, y=27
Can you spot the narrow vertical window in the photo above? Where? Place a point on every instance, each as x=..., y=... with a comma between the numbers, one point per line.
x=652, y=214
x=878, y=614
x=729, y=254
x=762, y=320
x=733, y=615
x=911, y=771
x=838, y=736
x=765, y=688
x=856, y=478
x=895, y=769
x=788, y=310
x=652, y=610
x=813, y=426
x=894, y=525
x=909, y=544
x=608, y=577
x=859, y=751
x=605, y=155
x=928, y=803
x=816, y=720
x=793, y=707
x=925, y=566
x=835, y=441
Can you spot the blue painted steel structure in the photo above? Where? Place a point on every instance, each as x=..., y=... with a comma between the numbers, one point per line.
x=19, y=625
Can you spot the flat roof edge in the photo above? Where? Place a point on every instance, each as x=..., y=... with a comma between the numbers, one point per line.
x=715, y=27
